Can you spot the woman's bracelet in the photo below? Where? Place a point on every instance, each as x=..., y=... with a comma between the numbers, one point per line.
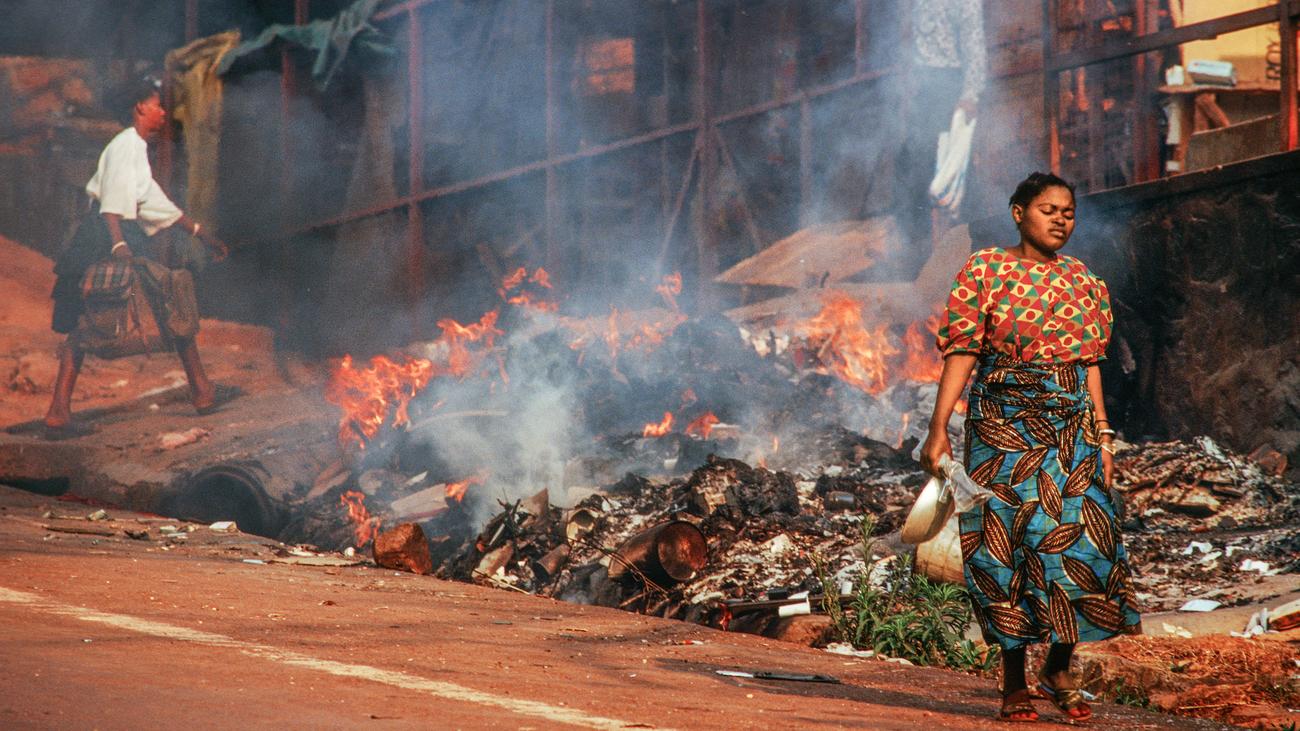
x=1101, y=421
x=1108, y=449
x=1105, y=432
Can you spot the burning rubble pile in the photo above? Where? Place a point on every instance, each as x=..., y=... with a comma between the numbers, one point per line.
x=689, y=468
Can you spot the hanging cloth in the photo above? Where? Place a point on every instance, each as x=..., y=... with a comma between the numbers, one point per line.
x=951, y=162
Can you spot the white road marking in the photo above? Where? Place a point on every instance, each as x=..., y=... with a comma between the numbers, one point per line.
x=438, y=688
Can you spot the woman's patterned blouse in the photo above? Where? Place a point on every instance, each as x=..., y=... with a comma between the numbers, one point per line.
x=1048, y=312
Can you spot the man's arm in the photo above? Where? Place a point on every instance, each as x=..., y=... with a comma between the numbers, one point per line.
x=113, y=222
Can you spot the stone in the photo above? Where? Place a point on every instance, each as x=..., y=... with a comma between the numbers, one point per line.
x=404, y=548
x=810, y=630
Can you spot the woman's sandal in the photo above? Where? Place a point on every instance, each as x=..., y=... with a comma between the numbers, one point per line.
x=1067, y=697
x=1017, y=708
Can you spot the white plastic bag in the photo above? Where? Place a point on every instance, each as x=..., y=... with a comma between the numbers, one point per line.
x=951, y=161
x=966, y=494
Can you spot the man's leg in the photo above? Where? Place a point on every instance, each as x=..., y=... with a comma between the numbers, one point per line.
x=60, y=412
x=202, y=392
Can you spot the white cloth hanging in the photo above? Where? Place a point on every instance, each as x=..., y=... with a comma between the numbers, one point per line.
x=951, y=162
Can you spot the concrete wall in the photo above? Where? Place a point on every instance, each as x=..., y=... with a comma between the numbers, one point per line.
x=1205, y=273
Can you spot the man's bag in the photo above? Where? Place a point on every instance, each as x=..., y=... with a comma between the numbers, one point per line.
x=111, y=325
x=135, y=306
x=171, y=293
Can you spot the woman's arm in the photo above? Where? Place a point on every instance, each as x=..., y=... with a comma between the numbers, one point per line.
x=1099, y=414
x=956, y=371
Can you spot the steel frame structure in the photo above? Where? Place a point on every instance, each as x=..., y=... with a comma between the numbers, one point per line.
x=709, y=149
x=1284, y=13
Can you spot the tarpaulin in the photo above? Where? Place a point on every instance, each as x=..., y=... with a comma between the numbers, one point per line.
x=331, y=40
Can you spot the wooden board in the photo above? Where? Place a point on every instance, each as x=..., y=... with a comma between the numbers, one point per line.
x=816, y=255
x=894, y=302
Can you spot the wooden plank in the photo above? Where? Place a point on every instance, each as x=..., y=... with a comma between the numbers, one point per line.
x=893, y=302
x=820, y=254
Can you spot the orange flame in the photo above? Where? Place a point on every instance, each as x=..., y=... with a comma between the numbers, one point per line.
x=846, y=347
x=702, y=426
x=670, y=288
x=457, y=337
x=902, y=433
x=924, y=362
x=523, y=298
x=456, y=490
x=660, y=429
x=367, y=395
x=364, y=525
x=611, y=336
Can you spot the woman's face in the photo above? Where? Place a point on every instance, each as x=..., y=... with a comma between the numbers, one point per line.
x=1048, y=220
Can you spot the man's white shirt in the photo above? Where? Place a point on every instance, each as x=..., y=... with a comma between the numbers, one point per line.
x=123, y=184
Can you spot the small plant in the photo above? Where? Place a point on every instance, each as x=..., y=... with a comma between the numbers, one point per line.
x=903, y=615
x=1126, y=695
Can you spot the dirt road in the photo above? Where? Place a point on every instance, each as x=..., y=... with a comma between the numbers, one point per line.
x=108, y=632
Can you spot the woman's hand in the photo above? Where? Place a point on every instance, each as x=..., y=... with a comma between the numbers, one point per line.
x=935, y=447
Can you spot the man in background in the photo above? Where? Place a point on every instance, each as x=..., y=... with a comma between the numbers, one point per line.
x=949, y=70
x=127, y=207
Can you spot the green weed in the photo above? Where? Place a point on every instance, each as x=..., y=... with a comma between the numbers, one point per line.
x=905, y=615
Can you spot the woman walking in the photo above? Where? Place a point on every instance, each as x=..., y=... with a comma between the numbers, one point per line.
x=1043, y=559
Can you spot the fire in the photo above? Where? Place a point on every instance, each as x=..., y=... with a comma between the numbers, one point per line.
x=902, y=433
x=924, y=362
x=670, y=288
x=457, y=337
x=524, y=298
x=660, y=429
x=611, y=335
x=844, y=346
x=456, y=490
x=702, y=426
x=364, y=525
x=368, y=395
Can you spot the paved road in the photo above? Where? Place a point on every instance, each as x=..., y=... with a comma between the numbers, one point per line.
x=107, y=632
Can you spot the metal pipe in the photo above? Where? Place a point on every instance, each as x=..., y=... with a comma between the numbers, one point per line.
x=666, y=554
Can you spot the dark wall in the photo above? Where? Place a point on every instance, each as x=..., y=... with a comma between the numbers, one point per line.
x=1206, y=284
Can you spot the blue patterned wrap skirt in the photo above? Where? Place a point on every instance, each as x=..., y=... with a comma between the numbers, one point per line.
x=1043, y=559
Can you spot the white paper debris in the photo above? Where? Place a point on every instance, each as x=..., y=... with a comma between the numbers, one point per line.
x=1200, y=605
x=172, y=440
x=1177, y=631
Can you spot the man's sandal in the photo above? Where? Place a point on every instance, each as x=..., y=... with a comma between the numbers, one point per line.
x=1017, y=708
x=1066, y=696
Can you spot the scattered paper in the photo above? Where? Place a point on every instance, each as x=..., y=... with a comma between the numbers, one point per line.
x=172, y=440
x=1200, y=605
x=1177, y=631
x=1251, y=564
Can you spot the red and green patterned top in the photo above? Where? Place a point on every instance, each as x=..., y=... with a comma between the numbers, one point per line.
x=1044, y=312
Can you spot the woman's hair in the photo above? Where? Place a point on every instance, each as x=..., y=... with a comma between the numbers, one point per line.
x=123, y=99
x=1036, y=183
